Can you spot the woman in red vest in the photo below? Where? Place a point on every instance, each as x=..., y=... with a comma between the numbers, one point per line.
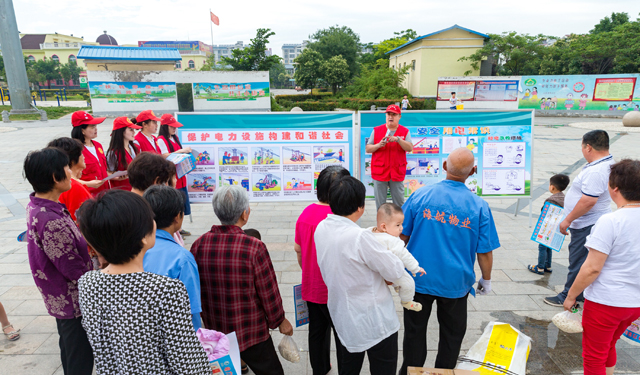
x=145, y=139
x=389, y=144
x=85, y=130
x=168, y=142
x=121, y=151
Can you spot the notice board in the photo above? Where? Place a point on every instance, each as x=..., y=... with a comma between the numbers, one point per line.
x=502, y=142
x=274, y=156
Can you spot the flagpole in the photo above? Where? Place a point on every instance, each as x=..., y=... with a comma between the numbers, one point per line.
x=211, y=25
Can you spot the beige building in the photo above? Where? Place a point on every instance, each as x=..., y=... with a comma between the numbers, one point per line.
x=436, y=55
x=119, y=58
x=58, y=47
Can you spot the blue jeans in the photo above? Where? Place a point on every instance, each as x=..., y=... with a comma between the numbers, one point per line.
x=187, y=203
x=544, y=257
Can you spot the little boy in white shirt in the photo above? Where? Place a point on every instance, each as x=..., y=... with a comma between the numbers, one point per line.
x=387, y=232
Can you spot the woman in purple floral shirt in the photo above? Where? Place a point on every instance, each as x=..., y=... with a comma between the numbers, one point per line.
x=58, y=254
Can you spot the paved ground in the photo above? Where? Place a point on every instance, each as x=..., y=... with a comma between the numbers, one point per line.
x=516, y=298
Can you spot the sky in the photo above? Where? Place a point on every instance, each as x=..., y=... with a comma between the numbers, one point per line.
x=130, y=21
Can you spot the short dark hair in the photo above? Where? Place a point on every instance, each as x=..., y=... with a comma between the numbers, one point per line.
x=166, y=203
x=559, y=181
x=625, y=175
x=72, y=147
x=76, y=132
x=453, y=92
x=114, y=224
x=253, y=233
x=326, y=177
x=346, y=195
x=389, y=209
x=43, y=168
x=598, y=139
x=148, y=169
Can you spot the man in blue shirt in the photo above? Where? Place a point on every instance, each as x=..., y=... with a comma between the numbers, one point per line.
x=446, y=227
x=167, y=257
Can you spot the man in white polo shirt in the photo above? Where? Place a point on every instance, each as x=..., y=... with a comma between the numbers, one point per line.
x=587, y=199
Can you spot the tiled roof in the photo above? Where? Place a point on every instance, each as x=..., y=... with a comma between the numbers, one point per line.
x=32, y=41
x=438, y=32
x=128, y=53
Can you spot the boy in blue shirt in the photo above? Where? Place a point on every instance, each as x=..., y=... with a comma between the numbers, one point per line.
x=167, y=257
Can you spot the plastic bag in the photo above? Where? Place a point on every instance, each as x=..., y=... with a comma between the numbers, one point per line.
x=289, y=349
x=568, y=321
x=501, y=347
x=215, y=344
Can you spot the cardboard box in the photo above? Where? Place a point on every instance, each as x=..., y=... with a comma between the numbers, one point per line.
x=438, y=371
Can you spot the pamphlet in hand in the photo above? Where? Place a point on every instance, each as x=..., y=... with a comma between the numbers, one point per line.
x=547, y=231
x=302, y=311
x=115, y=175
x=185, y=163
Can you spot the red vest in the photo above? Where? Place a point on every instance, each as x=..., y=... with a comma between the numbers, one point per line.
x=389, y=163
x=182, y=182
x=96, y=169
x=145, y=145
x=124, y=184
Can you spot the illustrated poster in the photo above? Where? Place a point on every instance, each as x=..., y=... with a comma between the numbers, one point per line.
x=547, y=230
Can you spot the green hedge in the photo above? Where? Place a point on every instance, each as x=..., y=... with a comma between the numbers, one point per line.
x=289, y=101
x=317, y=106
x=302, y=97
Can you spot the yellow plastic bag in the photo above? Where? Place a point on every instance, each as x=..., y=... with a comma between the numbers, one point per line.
x=500, y=347
x=460, y=107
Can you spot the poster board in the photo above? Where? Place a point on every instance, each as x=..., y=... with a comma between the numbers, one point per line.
x=302, y=310
x=464, y=90
x=614, y=89
x=497, y=91
x=547, y=230
x=275, y=156
x=502, y=142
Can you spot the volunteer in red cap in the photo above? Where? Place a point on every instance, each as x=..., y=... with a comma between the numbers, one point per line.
x=85, y=130
x=145, y=139
x=389, y=144
x=121, y=151
x=168, y=142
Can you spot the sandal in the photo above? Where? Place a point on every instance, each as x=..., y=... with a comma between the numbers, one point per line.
x=548, y=270
x=244, y=369
x=13, y=335
x=535, y=269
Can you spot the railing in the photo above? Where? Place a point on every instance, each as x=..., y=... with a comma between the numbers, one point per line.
x=60, y=45
x=189, y=52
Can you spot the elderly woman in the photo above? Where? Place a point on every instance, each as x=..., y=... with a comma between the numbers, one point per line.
x=58, y=254
x=239, y=287
x=137, y=322
x=609, y=276
x=314, y=291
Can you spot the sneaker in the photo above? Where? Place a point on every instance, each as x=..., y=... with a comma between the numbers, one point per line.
x=411, y=305
x=554, y=301
x=185, y=232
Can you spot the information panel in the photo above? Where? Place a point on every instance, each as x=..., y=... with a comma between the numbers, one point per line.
x=497, y=91
x=274, y=156
x=614, y=89
x=500, y=140
x=464, y=89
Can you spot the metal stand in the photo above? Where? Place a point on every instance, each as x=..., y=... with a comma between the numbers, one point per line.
x=515, y=214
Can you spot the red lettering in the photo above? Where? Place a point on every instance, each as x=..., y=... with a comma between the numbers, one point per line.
x=259, y=136
x=191, y=137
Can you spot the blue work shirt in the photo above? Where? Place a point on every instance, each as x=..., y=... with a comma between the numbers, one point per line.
x=448, y=225
x=168, y=258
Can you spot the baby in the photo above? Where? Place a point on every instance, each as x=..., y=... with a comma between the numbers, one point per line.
x=387, y=232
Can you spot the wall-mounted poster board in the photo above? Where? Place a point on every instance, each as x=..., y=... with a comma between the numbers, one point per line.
x=614, y=89
x=464, y=89
x=274, y=156
x=502, y=142
x=497, y=91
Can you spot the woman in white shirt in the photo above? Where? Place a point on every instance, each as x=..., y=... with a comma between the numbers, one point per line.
x=610, y=277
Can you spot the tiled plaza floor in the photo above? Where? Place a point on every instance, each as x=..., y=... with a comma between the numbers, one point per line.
x=517, y=296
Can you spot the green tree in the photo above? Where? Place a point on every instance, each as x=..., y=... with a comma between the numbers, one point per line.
x=47, y=70
x=379, y=82
x=70, y=71
x=335, y=72
x=211, y=64
x=512, y=53
x=254, y=57
x=408, y=34
x=2, y=71
x=278, y=76
x=338, y=41
x=608, y=24
x=308, y=69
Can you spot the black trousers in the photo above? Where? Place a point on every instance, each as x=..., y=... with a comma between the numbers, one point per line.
x=75, y=349
x=262, y=358
x=320, y=326
x=383, y=358
x=452, y=318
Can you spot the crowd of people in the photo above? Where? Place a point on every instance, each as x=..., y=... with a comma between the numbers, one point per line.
x=108, y=258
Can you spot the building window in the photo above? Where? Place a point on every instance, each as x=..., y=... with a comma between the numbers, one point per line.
x=72, y=58
x=413, y=64
x=178, y=64
x=59, y=82
x=192, y=65
x=55, y=58
x=31, y=59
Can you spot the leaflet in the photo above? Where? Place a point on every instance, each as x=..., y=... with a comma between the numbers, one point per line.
x=547, y=230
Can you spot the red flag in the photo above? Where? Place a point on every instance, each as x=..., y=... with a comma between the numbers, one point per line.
x=215, y=19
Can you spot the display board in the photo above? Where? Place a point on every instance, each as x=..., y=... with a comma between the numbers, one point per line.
x=274, y=156
x=618, y=89
x=464, y=89
x=502, y=142
x=505, y=91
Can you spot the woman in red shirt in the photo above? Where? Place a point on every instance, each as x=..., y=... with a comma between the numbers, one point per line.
x=85, y=130
x=121, y=151
x=145, y=139
x=168, y=142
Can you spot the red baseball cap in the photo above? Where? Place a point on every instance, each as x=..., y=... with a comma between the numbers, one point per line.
x=146, y=115
x=167, y=119
x=83, y=118
x=123, y=122
x=393, y=109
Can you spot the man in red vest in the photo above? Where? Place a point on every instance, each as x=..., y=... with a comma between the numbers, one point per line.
x=389, y=144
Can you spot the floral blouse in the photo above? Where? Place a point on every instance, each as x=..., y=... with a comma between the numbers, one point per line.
x=58, y=256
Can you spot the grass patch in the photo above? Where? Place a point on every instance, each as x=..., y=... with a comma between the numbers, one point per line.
x=52, y=113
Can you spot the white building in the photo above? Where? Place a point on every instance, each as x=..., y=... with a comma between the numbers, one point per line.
x=224, y=50
x=291, y=51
